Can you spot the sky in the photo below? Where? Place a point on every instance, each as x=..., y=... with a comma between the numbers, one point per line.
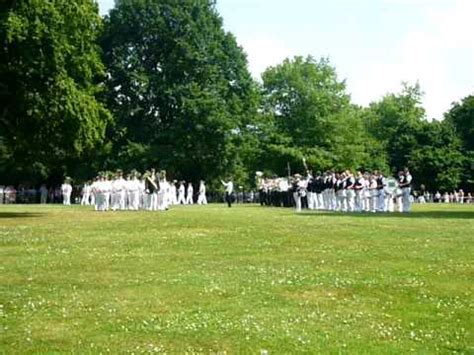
x=375, y=45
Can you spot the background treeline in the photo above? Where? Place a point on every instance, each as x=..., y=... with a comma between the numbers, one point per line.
x=159, y=83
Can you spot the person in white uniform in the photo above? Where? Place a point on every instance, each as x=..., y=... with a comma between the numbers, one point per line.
x=133, y=192
x=181, y=194
x=202, y=200
x=66, y=190
x=173, y=193
x=86, y=190
x=189, y=196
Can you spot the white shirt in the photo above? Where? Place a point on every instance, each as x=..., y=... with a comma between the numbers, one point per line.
x=66, y=188
x=229, y=186
x=408, y=179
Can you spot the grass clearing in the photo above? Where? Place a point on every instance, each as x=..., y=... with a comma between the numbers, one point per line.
x=241, y=280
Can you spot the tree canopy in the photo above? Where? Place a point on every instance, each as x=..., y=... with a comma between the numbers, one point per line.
x=50, y=70
x=178, y=86
x=160, y=83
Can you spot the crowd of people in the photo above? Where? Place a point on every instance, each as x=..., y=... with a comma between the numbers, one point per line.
x=148, y=191
x=342, y=191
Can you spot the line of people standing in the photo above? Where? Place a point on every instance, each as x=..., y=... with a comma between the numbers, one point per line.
x=343, y=191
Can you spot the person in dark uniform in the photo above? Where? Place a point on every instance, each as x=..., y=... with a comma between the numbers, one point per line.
x=229, y=189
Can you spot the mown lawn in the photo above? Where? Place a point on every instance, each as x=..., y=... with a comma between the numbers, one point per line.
x=242, y=280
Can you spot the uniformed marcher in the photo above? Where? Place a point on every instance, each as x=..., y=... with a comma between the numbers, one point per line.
x=406, y=191
x=66, y=190
x=229, y=189
x=202, y=200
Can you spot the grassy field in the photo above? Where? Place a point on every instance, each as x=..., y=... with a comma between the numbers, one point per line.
x=242, y=280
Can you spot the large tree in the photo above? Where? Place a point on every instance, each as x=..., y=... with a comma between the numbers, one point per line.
x=179, y=87
x=311, y=116
x=436, y=160
x=394, y=121
x=461, y=117
x=431, y=150
x=50, y=68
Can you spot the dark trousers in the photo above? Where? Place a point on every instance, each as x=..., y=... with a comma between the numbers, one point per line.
x=228, y=199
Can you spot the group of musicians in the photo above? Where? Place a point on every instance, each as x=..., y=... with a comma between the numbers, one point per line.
x=338, y=191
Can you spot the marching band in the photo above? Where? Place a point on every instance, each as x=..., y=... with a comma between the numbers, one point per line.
x=338, y=191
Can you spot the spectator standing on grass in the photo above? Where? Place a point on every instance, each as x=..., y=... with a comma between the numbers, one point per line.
x=229, y=189
x=461, y=196
x=43, y=194
x=2, y=193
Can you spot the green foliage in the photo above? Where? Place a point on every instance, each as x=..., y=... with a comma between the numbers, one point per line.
x=49, y=69
x=431, y=150
x=178, y=86
x=311, y=116
x=183, y=100
x=436, y=161
x=394, y=121
x=461, y=116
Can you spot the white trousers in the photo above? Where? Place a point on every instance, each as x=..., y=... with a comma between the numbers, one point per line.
x=359, y=201
x=406, y=192
x=350, y=196
x=189, y=200
x=311, y=200
x=319, y=201
x=133, y=200
x=297, y=198
x=67, y=199
x=202, y=200
x=381, y=201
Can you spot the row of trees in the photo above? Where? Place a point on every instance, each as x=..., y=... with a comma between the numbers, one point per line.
x=160, y=83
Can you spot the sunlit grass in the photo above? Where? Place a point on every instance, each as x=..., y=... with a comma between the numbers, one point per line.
x=245, y=279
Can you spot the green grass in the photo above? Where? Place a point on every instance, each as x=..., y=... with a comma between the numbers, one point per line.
x=241, y=280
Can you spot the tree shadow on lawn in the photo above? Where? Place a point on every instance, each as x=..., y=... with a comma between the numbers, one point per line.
x=417, y=214
x=20, y=214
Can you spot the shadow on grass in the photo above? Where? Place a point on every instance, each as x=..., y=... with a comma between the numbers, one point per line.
x=20, y=214
x=417, y=214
